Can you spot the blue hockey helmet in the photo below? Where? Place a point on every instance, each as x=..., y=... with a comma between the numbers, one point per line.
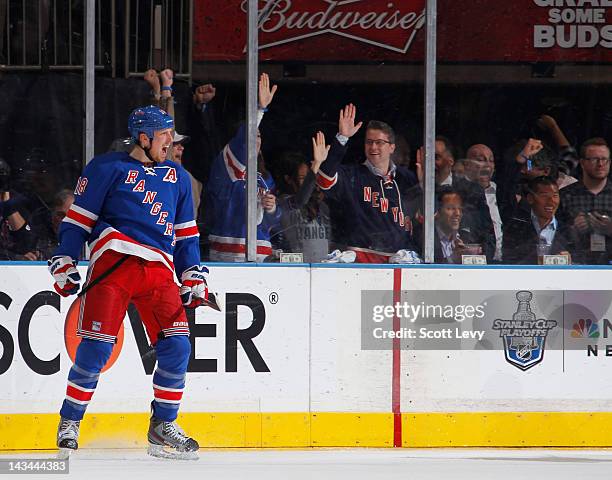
x=148, y=120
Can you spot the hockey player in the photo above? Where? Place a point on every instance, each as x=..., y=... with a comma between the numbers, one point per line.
x=135, y=211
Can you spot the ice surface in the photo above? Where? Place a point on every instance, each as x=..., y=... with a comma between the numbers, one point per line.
x=349, y=464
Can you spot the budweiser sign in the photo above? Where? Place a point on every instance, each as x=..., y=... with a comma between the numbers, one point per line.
x=380, y=23
x=355, y=31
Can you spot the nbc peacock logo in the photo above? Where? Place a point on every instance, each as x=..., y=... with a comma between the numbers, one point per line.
x=585, y=329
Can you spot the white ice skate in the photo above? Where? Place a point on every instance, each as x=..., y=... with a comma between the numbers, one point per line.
x=168, y=440
x=67, y=437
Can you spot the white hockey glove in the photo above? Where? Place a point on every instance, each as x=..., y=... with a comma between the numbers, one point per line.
x=65, y=274
x=194, y=288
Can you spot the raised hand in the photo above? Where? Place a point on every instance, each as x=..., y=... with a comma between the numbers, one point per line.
x=319, y=151
x=546, y=122
x=167, y=77
x=204, y=94
x=346, y=122
x=420, y=164
x=532, y=147
x=266, y=94
x=152, y=80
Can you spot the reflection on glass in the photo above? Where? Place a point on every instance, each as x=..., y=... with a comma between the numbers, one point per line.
x=340, y=158
x=520, y=135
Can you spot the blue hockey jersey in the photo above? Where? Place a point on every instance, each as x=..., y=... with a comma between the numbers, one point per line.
x=139, y=209
x=373, y=211
x=227, y=196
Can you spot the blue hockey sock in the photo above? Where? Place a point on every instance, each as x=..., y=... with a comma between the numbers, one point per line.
x=169, y=377
x=91, y=356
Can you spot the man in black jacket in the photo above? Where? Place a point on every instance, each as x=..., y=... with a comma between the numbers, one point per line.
x=450, y=239
x=476, y=215
x=17, y=239
x=525, y=231
x=479, y=168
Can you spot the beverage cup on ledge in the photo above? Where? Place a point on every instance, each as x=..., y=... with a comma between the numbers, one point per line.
x=543, y=249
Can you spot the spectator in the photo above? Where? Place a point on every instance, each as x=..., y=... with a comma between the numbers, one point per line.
x=587, y=205
x=161, y=89
x=305, y=219
x=540, y=226
x=61, y=204
x=401, y=155
x=202, y=128
x=449, y=239
x=568, y=160
x=122, y=144
x=226, y=194
x=178, y=142
x=376, y=197
x=204, y=145
x=161, y=94
x=47, y=240
x=459, y=168
x=479, y=168
x=17, y=239
x=476, y=216
x=36, y=183
x=162, y=97
x=525, y=160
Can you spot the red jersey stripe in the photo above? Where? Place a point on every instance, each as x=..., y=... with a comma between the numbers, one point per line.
x=324, y=182
x=119, y=236
x=183, y=232
x=82, y=219
x=232, y=167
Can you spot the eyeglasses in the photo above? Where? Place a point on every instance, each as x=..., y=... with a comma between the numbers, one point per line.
x=604, y=160
x=378, y=143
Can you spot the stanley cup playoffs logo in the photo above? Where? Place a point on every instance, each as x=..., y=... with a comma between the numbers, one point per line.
x=525, y=335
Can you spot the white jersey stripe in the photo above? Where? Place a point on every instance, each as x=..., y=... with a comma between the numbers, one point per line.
x=163, y=400
x=82, y=389
x=166, y=389
x=178, y=226
x=84, y=212
x=77, y=223
x=232, y=165
x=327, y=177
